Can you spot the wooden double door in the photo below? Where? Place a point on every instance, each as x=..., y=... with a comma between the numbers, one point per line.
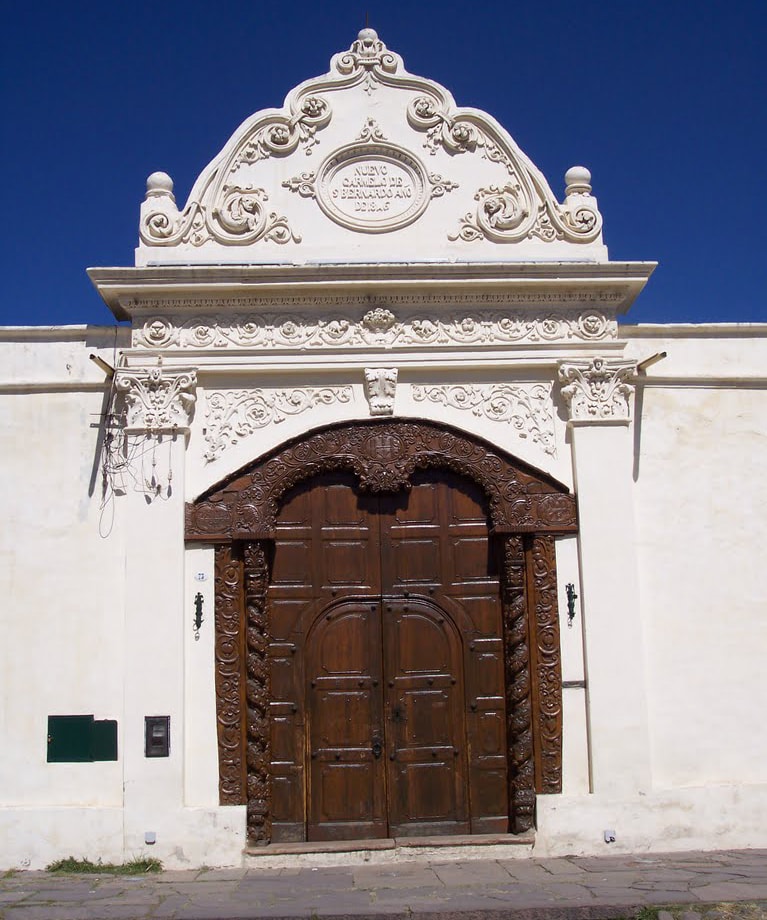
x=394, y=719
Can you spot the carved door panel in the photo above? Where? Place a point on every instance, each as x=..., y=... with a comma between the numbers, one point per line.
x=389, y=720
x=426, y=739
x=347, y=794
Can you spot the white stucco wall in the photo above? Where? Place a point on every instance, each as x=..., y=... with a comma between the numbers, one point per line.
x=96, y=612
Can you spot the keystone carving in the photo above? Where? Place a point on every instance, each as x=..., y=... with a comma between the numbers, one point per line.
x=380, y=389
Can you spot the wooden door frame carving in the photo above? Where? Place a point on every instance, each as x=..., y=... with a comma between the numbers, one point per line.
x=527, y=510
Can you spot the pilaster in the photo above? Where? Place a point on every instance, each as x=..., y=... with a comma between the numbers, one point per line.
x=157, y=407
x=598, y=395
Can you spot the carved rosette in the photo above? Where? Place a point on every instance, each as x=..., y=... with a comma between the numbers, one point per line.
x=157, y=399
x=230, y=690
x=527, y=409
x=597, y=390
x=259, y=783
x=380, y=389
x=383, y=455
x=236, y=414
x=548, y=666
x=519, y=709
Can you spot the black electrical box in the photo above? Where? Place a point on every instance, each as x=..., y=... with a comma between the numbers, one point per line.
x=81, y=739
x=157, y=736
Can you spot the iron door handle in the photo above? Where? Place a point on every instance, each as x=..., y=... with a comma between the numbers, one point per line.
x=377, y=748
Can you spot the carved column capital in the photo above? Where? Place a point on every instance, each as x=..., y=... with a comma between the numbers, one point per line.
x=157, y=399
x=597, y=390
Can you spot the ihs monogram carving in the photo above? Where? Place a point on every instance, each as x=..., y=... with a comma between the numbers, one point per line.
x=379, y=326
x=522, y=206
x=527, y=409
x=597, y=390
x=236, y=414
x=383, y=454
x=156, y=398
x=380, y=389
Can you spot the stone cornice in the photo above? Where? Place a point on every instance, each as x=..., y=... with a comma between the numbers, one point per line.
x=121, y=288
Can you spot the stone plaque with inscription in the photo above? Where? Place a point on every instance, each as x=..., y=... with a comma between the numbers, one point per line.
x=372, y=187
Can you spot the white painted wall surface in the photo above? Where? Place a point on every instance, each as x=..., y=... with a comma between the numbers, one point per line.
x=700, y=509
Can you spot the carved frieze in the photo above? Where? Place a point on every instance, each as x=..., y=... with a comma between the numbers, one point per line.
x=384, y=455
x=231, y=415
x=407, y=328
x=527, y=408
x=157, y=399
x=597, y=390
x=380, y=389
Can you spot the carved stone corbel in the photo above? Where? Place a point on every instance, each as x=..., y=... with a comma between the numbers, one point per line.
x=157, y=399
x=597, y=390
x=380, y=389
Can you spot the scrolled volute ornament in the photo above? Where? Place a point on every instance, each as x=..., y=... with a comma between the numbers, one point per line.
x=367, y=53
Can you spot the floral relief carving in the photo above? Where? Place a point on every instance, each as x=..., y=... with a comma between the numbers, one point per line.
x=377, y=326
x=597, y=390
x=548, y=664
x=527, y=409
x=236, y=414
x=380, y=389
x=383, y=455
x=230, y=691
x=156, y=398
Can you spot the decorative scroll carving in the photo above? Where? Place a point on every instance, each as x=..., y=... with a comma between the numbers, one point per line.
x=528, y=409
x=380, y=326
x=157, y=399
x=235, y=414
x=547, y=697
x=380, y=389
x=368, y=60
x=259, y=781
x=523, y=206
x=230, y=687
x=384, y=456
x=519, y=717
x=597, y=390
x=239, y=216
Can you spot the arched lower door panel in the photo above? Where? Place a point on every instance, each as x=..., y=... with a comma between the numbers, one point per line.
x=386, y=735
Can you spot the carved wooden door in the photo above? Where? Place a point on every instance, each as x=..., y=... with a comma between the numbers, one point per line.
x=394, y=701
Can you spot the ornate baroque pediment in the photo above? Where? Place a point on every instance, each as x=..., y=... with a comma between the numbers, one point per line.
x=370, y=163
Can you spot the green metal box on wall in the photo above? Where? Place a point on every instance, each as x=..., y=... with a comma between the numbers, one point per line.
x=81, y=739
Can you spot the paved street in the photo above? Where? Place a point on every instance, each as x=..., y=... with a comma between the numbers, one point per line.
x=727, y=885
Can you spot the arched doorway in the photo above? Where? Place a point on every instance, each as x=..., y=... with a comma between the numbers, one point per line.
x=387, y=646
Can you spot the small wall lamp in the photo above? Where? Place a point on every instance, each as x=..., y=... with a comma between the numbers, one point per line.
x=571, y=598
x=198, y=618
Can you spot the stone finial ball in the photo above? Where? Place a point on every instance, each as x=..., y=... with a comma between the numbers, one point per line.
x=578, y=177
x=368, y=35
x=159, y=183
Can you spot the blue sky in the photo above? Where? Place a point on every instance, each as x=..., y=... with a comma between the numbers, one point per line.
x=665, y=102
